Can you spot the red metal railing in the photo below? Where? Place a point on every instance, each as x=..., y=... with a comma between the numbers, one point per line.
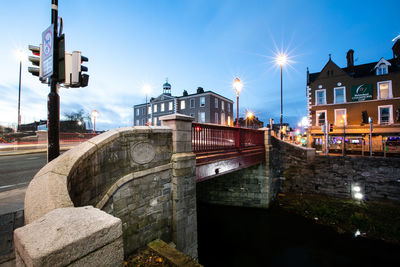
x=209, y=137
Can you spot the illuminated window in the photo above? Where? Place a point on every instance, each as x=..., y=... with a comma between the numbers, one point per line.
x=183, y=106
x=385, y=90
x=149, y=110
x=340, y=117
x=162, y=107
x=137, y=112
x=222, y=118
x=222, y=105
x=155, y=121
x=170, y=106
x=229, y=119
x=155, y=107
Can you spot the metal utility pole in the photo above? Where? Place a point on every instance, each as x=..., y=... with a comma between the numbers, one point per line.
x=19, y=97
x=53, y=99
x=370, y=136
x=280, y=130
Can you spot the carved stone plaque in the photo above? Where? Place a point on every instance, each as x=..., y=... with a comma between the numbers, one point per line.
x=143, y=152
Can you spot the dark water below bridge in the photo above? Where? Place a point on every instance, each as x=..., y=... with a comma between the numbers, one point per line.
x=234, y=236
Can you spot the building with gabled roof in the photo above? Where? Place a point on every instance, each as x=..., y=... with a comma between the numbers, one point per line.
x=347, y=97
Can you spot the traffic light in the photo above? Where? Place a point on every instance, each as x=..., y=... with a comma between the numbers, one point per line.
x=330, y=127
x=78, y=79
x=36, y=60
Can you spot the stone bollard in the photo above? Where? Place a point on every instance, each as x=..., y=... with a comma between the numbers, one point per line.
x=83, y=236
x=184, y=183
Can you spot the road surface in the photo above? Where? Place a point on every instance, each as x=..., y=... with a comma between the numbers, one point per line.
x=18, y=170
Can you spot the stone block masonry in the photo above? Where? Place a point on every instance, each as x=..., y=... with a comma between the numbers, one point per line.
x=300, y=172
x=247, y=187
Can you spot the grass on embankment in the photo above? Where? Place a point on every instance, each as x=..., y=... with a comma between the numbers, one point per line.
x=376, y=220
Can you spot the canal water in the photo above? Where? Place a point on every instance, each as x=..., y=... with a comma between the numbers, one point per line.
x=235, y=236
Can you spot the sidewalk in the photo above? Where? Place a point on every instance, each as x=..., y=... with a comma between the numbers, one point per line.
x=12, y=200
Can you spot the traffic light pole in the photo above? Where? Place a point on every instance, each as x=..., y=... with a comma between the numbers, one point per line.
x=53, y=99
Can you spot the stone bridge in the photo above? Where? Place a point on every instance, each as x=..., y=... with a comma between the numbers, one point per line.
x=122, y=189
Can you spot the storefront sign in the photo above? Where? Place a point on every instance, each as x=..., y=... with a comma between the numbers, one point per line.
x=361, y=92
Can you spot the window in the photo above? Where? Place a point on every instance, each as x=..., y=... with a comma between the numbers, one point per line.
x=137, y=122
x=170, y=106
x=382, y=69
x=155, y=108
x=202, y=116
x=222, y=105
x=162, y=107
x=321, y=117
x=320, y=97
x=216, y=102
x=149, y=120
x=143, y=111
x=385, y=114
x=149, y=110
x=137, y=112
x=340, y=117
x=229, y=119
x=339, y=96
x=385, y=90
x=155, y=121
x=222, y=118
x=216, y=118
x=183, y=104
x=202, y=101
x=192, y=104
x=229, y=107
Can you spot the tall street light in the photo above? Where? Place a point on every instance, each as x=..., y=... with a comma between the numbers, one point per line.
x=20, y=55
x=95, y=113
x=344, y=135
x=249, y=116
x=147, y=90
x=237, y=84
x=281, y=60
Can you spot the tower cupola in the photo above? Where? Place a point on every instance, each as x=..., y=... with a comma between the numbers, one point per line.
x=166, y=88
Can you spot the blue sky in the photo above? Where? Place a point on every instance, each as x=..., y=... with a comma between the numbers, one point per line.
x=194, y=43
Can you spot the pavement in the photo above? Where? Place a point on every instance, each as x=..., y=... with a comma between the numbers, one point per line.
x=12, y=200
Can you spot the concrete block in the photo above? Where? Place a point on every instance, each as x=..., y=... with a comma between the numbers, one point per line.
x=66, y=235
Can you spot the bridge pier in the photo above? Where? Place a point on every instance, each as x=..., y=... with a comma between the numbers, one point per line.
x=184, y=184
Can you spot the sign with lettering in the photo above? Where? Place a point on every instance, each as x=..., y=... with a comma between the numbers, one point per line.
x=361, y=92
x=47, y=52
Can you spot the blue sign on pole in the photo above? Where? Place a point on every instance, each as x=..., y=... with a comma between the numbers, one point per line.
x=47, y=51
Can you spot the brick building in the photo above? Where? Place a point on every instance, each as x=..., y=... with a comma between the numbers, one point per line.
x=347, y=97
x=204, y=106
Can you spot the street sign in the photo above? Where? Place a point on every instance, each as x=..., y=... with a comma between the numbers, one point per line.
x=48, y=50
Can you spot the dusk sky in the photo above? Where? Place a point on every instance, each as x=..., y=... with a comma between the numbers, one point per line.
x=192, y=43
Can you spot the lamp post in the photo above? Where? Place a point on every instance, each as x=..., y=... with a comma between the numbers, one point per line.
x=370, y=136
x=147, y=90
x=20, y=55
x=281, y=60
x=95, y=113
x=344, y=136
x=237, y=84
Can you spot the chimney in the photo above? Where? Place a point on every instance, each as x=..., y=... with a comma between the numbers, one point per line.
x=350, y=60
x=396, y=51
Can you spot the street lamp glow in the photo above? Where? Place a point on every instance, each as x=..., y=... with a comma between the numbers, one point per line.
x=281, y=59
x=95, y=113
x=238, y=85
x=147, y=89
x=20, y=54
x=249, y=115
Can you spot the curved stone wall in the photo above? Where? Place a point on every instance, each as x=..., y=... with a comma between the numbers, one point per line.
x=126, y=172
